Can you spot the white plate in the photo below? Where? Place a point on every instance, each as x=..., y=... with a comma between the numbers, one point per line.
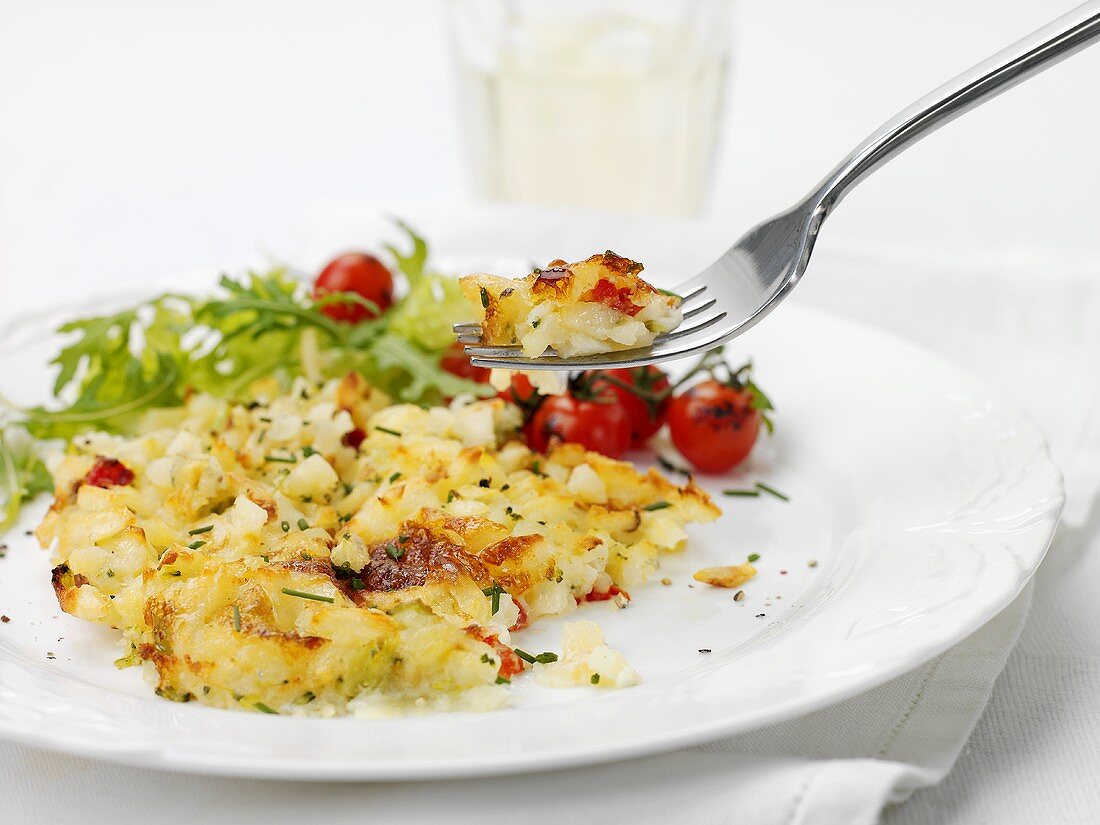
x=926, y=503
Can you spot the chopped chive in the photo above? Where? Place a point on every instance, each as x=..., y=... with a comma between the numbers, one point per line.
x=657, y=505
x=198, y=531
x=388, y=431
x=312, y=596
x=772, y=491
x=236, y=618
x=541, y=658
x=450, y=496
x=754, y=557
x=307, y=451
x=394, y=477
x=672, y=468
x=484, y=298
x=402, y=539
x=195, y=545
x=357, y=584
x=266, y=419
x=595, y=679
x=347, y=489
x=280, y=459
x=669, y=293
x=303, y=524
x=394, y=552
x=742, y=493
x=262, y=708
x=286, y=526
x=494, y=593
x=503, y=681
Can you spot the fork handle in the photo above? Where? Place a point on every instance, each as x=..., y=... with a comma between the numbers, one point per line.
x=1027, y=57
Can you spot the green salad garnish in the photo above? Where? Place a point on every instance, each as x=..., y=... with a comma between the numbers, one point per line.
x=262, y=325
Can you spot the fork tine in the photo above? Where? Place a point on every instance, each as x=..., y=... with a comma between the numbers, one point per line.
x=681, y=332
x=692, y=292
x=691, y=313
x=508, y=352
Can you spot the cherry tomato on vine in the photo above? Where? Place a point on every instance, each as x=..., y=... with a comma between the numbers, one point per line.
x=644, y=393
x=362, y=274
x=714, y=425
x=457, y=362
x=596, y=422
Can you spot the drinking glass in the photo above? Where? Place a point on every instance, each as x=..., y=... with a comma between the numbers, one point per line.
x=608, y=104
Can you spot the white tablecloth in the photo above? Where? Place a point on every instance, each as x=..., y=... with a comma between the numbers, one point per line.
x=134, y=143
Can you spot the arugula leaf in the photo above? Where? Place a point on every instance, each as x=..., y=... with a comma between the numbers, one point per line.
x=111, y=400
x=412, y=375
x=22, y=474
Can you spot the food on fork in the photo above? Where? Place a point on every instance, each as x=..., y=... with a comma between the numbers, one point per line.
x=584, y=308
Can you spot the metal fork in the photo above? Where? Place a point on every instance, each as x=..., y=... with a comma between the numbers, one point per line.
x=760, y=270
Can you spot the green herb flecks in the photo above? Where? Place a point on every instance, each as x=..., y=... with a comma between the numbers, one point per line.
x=771, y=491
x=541, y=658
x=311, y=596
x=494, y=593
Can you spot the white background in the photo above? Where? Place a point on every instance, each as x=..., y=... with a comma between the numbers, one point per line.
x=142, y=139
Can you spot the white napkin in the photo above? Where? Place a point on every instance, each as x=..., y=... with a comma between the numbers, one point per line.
x=843, y=764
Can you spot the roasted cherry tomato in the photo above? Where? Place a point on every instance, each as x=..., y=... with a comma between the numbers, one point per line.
x=645, y=397
x=510, y=663
x=714, y=425
x=108, y=472
x=362, y=274
x=597, y=423
x=457, y=362
x=520, y=392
